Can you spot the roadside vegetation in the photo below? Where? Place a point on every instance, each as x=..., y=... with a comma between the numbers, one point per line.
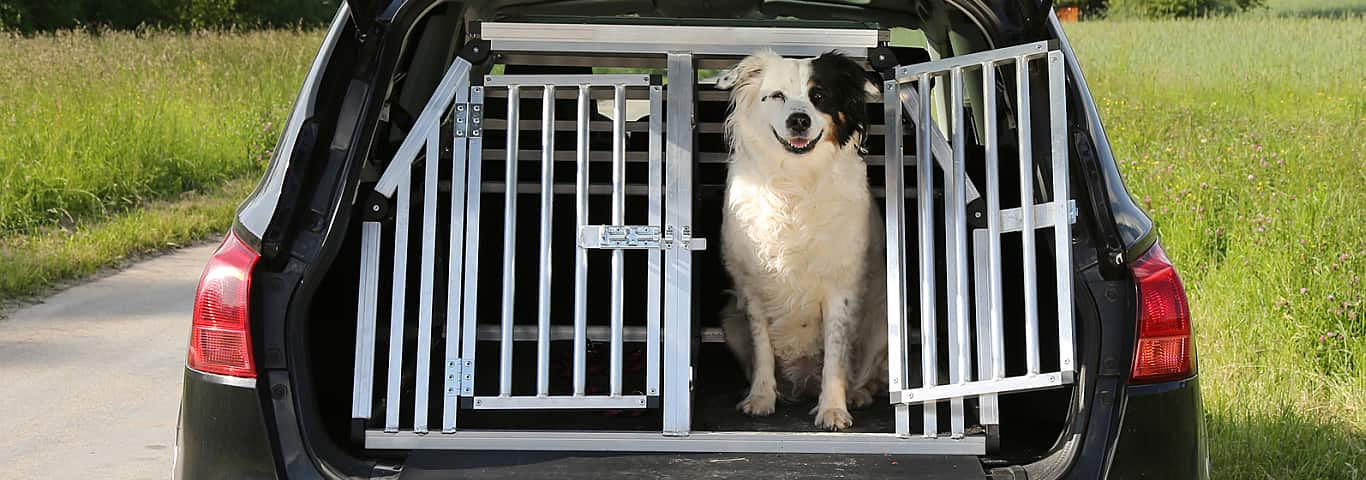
x=1246, y=139
x=96, y=127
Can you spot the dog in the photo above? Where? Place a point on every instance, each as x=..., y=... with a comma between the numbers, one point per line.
x=801, y=237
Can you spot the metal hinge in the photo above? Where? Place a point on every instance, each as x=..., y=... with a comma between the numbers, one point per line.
x=461, y=119
x=477, y=113
x=459, y=377
x=637, y=237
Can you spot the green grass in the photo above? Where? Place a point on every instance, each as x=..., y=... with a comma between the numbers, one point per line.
x=95, y=126
x=1317, y=8
x=1246, y=139
x=29, y=263
x=100, y=123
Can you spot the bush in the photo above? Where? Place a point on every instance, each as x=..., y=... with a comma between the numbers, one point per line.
x=1178, y=8
x=47, y=15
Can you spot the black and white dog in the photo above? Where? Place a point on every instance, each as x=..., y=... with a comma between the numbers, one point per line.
x=801, y=236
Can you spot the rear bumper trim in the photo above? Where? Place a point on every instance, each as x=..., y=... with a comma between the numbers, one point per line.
x=222, y=379
x=697, y=442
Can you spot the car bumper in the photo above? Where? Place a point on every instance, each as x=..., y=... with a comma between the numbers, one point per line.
x=1163, y=433
x=221, y=433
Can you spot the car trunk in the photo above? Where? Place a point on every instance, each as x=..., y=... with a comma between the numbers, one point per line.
x=438, y=289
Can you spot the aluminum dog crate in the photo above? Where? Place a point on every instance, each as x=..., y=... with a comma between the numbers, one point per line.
x=651, y=123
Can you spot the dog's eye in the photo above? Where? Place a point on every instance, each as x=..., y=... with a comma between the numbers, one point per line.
x=777, y=96
x=817, y=96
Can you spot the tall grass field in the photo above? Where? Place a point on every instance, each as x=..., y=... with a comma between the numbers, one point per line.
x=1246, y=140
x=92, y=126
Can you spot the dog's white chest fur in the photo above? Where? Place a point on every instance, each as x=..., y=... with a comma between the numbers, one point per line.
x=791, y=235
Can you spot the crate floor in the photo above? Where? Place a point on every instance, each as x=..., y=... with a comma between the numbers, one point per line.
x=722, y=384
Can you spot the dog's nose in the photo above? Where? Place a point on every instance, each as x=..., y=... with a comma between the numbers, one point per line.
x=798, y=122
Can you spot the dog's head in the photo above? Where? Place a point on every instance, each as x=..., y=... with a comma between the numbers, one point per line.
x=797, y=105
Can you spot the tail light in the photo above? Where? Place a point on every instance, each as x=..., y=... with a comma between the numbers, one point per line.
x=220, y=338
x=1165, y=348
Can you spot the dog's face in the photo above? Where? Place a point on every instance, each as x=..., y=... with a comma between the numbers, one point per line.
x=797, y=105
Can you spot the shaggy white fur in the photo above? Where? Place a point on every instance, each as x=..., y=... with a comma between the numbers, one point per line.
x=802, y=239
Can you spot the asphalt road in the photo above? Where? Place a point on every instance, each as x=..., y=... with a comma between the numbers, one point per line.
x=90, y=378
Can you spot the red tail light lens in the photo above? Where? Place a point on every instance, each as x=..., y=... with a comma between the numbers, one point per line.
x=220, y=338
x=1164, y=350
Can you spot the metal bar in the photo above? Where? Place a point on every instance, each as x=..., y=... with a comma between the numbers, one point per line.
x=527, y=155
x=559, y=402
x=665, y=39
x=1031, y=294
x=928, y=297
x=638, y=190
x=939, y=146
x=698, y=442
x=955, y=218
x=896, y=247
x=427, y=285
x=364, y=380
x=428, y=120
x=580, y=254
x=987, y=413
x=654, y=288
x=980, y=387
x=910, y=72
x=632, y=190
x=509, y=245
x=398, y=300
x=455, y=262
x=678, y=261
x=566, y=125
x=1044, y=215
x=600, y=91
x=559, y=333
x=638, y=126
x=992, y=278
x=547, y=207
x=469, y=317
x=618, y=218
x=990, y=322
x=630, y=80
x=1062, y=229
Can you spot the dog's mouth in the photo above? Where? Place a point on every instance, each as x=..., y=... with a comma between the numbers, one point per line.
x=798, y=145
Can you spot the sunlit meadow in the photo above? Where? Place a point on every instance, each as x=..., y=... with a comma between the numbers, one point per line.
x=96, y=127
x=1246, y=140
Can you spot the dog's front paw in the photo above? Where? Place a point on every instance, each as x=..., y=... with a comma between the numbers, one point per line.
x=833, y=418
x=758, y=403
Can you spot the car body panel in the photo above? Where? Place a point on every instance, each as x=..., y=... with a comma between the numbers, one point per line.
x=1163, y=434
x=221, y=433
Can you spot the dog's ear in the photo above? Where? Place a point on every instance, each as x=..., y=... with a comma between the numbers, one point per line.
x=745, y=72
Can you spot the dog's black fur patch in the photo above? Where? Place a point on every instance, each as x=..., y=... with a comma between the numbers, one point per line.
x=839, y=82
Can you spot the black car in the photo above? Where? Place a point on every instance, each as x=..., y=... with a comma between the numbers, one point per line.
x=369, y=314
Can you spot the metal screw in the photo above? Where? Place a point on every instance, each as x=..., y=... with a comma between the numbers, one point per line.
x=375, y=208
